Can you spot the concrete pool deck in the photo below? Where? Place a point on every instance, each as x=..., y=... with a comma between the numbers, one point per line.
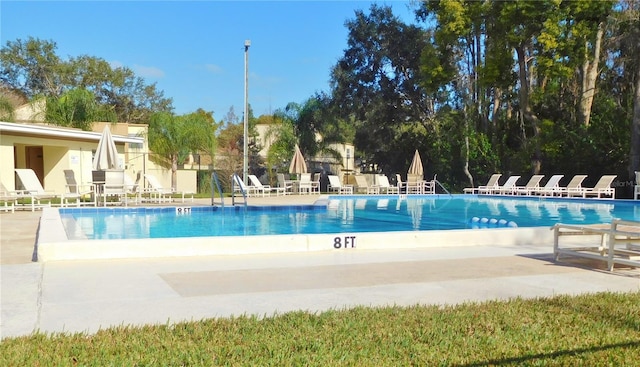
x=87, y=295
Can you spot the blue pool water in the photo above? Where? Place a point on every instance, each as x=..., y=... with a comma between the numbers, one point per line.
x=345, y=214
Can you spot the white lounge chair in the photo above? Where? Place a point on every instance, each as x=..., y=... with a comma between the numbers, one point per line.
x=385, y=186
x=8, y=198
x=363, y=186
x=248, y=190
x=256, y=187
x=32, y=189
x=530, y=187
x=159, y=194
x=335, y=185
x=239, y=186
x=551, y=188
x=601, y=188
x=80, y=194
x=491, y=184
x=133, y=187
x=264, y=190
x=507, y=188
x=574, y=187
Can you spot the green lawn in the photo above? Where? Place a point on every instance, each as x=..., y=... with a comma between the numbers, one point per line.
x=589, y=330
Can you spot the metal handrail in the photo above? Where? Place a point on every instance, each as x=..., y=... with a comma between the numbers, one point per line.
x=236, y=180
x=216, y=181
x=435, y=179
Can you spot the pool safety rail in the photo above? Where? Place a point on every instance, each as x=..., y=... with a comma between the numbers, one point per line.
x=617, y=243
x=215, y=185
x=237, y=185
x=435, y=180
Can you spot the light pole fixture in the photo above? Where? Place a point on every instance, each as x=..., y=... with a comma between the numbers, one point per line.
x=245, y=163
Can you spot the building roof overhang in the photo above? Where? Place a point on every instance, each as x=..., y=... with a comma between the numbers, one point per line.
x=11, y=128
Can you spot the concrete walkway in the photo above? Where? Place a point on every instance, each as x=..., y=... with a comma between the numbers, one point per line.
x=84, y=296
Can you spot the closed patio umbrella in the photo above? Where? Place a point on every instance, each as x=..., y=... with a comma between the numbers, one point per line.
x=106, y=154
x=416, y=167
x=298, y=164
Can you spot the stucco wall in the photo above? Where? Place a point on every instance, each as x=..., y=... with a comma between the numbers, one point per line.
x=61, y=153
x=6, y=165
x=186, y=179
x=58, y=155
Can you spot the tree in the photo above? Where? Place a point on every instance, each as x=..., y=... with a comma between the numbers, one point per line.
x=77, y=108
x=174, y=137
x=231, y=145
x=628, y=25
x=373, y=85
x=313, y=125
x=462, y=61
x=588, y=29
x=9, y=101
x=7, y=111
x=229, y=152
x=230, y=118
x=549, y=84
x=283, y=139
x=33, y=68
x=129, y=96
x=317, y=125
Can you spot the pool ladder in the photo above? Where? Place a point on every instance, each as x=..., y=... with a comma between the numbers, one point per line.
x=435, y=179
x=237, y=185
x=215, y=184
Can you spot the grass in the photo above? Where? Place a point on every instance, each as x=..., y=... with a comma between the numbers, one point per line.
x=590, y=330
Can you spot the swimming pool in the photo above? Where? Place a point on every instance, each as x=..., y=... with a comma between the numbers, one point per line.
x=335, y=222
x=370, y=214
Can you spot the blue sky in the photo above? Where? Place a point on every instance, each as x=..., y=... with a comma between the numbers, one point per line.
x=194, y=50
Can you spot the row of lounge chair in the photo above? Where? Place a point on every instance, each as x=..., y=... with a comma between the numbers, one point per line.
x=414, y=185
x=305, y=185
x=33, y=195
x=115, y=188
x=308, y=186
x=257, y=189
x=552, y=187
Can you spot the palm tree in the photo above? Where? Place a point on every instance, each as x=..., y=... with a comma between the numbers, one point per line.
x=174, y=137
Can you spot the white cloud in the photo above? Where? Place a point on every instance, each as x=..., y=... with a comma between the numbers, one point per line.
x=148, y=71
x=213, y=68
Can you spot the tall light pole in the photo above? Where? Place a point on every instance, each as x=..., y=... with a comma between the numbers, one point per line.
x=245, y=165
